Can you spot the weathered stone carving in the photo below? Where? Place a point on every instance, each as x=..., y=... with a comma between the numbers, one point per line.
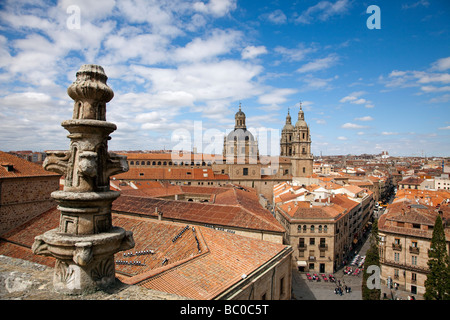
x=85, y=242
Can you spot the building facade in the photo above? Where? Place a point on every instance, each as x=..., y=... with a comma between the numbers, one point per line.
x=296, y=143
x=405, y=233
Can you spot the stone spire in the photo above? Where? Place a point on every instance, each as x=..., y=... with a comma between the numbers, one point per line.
x=85, y=242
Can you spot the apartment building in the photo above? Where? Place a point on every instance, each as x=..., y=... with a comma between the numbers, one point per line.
x=405, y=232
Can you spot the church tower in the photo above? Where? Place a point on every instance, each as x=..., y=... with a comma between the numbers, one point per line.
x=296, y=144
x=239, y=146
x=286, y=137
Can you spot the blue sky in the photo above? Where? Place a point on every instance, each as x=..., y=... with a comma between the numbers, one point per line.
x=179, y=70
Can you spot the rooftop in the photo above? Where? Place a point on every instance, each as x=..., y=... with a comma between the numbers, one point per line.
x=14, y=167
x=193, y=262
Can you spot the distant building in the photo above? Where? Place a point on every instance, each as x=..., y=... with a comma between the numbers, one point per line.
x=296, y=144
x=322, y=225
x=405, y=232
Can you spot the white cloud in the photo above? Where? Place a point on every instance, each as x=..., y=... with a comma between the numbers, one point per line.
x=251, y=52
x=441, y=64
x=218, y=43
x=295, y=54
x=349, y=125
x=385, y=133
x=277, y=17
x=217, y=8
x=276, y=97
x=319, y=64
x=445, y=128
x=323, y=11
x=342, y=138
x=366, y=118
x=354, y=98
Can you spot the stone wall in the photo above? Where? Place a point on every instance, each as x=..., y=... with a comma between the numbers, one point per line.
x=25, y=280
x=22, y=199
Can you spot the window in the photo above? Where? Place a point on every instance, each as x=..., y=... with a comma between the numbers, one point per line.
x=320, y=228
x=304, y=169
x=282, y=287
x=301, y=242
x=396, y=273
x=312, y=228
x=325, y=229
x=304, y=228
x=299, y=229
x=396, y=257
x=312, y=241
x=414, y=260
x=245, y=172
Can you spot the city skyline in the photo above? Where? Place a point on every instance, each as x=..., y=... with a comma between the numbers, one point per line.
x=176, y=64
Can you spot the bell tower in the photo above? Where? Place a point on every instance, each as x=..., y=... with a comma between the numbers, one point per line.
x=301, y=158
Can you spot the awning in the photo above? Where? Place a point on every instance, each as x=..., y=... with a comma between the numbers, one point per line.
x=301, y=264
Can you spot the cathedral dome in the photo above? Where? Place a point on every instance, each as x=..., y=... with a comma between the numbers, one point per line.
x=240, y=135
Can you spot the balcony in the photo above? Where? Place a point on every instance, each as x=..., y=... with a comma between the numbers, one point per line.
x=414, y=250
x=302, y=246
x=323, y=247
x=397, y=247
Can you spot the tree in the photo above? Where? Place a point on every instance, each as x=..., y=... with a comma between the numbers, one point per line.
x=372, y=259
x=437, y=285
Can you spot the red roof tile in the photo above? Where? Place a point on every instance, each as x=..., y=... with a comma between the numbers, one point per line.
x=20, y=167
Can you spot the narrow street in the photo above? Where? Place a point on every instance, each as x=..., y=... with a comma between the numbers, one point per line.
x=304, y=289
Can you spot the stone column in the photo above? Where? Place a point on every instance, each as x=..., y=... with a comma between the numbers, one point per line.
x=85, y=242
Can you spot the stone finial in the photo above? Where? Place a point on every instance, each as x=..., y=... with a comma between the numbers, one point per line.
x=90, y=92
x=85, y=242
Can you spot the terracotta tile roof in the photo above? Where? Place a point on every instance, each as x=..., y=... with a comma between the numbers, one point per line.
x=303, y=210
x=409, y=212
x=245, y=215
x=205, y=276
x=17, y=242
x=426, y=197
x=20, y=167
x=197, y=274
x=412, y=181
x=170, y=156
x=173, y=173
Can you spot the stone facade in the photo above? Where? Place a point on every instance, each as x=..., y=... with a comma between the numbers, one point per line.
x=24, y=191
x=296, y=144
x=405, y=232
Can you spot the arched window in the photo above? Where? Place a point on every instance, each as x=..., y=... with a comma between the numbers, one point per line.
x=304, y=228
x=325, y=228
x=154, y=163
x=131, y=162
x=320, y=228
x=159, y=163
x=299, y=228
x=165, y=163
x=312, y=228
x=148, y=163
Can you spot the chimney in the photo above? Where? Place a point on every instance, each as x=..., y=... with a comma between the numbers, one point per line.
x=159, y=214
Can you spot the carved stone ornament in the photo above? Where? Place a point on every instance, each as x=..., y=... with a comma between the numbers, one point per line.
x=85, y=242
